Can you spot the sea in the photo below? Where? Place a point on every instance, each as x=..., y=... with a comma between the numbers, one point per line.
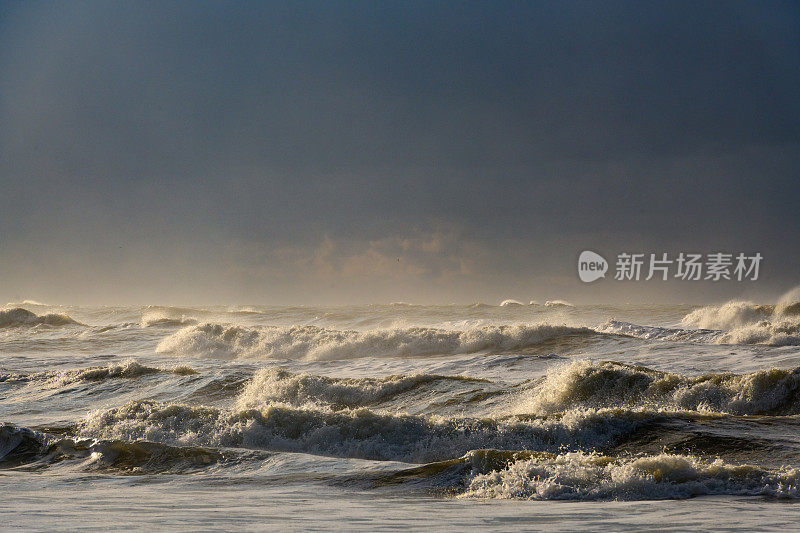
x=506, y=417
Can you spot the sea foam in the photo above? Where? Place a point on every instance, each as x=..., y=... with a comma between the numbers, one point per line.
x=749, y=323
x=589, y=476
x=584, y=383
x=277, y=385
x=355, y=433
x=315, y=343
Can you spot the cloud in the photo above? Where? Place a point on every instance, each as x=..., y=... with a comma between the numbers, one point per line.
x=415, y=258
x=315, y=144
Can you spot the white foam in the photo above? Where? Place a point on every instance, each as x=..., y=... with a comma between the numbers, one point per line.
x=273, y=385
x=558, y=303
x=749, y=323
x=583, y=476
x=356, y=433
x=584, y=384
x=56, y=378
x=659, y=333
x=165, y=318
x=315, y=343
x=728, y=316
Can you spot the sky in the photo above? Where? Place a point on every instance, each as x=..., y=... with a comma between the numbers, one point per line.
x=354, y=152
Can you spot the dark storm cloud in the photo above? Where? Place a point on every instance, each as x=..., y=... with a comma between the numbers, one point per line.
x=525, y=130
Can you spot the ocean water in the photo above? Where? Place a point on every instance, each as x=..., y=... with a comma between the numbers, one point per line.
x=534, y=416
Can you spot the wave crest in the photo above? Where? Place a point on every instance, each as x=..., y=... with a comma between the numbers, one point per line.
x=315, y=343
x=357, y=433
x=128, y=369
x=19, y=317
x=728, y=316
x=271, y=385
x=659, y=333
x=749, y=323
x=582, y=476
x=23, y=447
x=165, y=319
x=609, y=384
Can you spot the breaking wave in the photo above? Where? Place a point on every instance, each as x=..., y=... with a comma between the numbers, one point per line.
x=127, y=369
x=18, y=317
x=357, y=433
x=749, y=323
x=729, y=316
x=558, y=303
x=549, y=303
x=609, y=384
x=33, y=449
x=659, y=333
x=164, y=319
x=782, y=333
x=477, y=473
x=734, y=322
x=584, y=476
x=277, y=385
x=315, y=343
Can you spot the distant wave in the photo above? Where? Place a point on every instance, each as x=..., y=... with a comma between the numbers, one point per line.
x=510, y=303
x=18, y=317
x=315, y=343
x=28, y=303
x=127, y=369
x=558, y=303
x=549, y=303
x=583, y=384
x=659, y=333
x=166, y=319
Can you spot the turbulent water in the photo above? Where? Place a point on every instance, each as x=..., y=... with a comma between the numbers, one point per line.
x=400, y=415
